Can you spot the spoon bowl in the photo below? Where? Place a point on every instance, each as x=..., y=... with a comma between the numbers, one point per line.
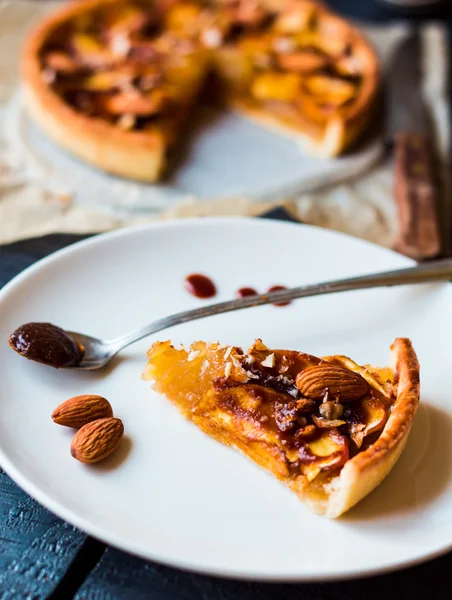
x=96, y=353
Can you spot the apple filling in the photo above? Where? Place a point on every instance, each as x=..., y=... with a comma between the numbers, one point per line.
x=293, y=413
x=129, y=63
x=135, y=62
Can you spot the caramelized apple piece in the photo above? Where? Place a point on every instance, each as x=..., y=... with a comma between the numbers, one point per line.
x=60, y=62
x=249, y=13
x=333, y=34
x=91, y=52
x=349, y=65
x=84, y=43
x=135, y=103
x=276, y=86
x=294, y=19
x=365, y=417
x=374, y=414
x=330, y=90
x=254, y=44
x=126, y=19
x=301, y=62
x=182, y=16
x=286, y=363
x=328, y=450
x=103, y=81
x=315, y=110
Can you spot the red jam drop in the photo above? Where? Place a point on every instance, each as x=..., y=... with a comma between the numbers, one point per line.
x=200, y=286
x=277, y=288
x=245, y=291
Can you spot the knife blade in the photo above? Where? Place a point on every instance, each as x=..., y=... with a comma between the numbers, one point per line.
x=407, y=129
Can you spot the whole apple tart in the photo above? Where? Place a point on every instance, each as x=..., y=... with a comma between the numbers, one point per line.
x=114, y=82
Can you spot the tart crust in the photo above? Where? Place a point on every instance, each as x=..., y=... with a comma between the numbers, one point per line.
x=365, y=471
x=326, y=494
x=142, y=155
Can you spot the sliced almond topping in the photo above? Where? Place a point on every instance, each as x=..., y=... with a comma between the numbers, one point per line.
x=252, y=375
x=227, y=369
x=193, y=354
x=228, y=352
x=211, y=37
x=120, y=45
x=269, y=361
x=283, y=44
x=48, y=75
x=126, y=122
x=204, y=367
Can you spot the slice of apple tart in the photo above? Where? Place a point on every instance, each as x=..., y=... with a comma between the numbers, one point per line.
x=327, y=427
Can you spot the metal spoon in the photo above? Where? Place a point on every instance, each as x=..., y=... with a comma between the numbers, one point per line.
x=98, y=353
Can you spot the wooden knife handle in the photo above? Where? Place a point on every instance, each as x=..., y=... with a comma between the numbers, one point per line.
x=416, y=193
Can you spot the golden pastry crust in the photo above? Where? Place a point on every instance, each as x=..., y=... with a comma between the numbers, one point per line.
x=326, y=141
x=365, y=471
x=324, y=124
x=135, y=155
x=238, y=411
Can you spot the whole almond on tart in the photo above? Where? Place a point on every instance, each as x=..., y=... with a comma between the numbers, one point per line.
x=97, y=440
x=79, y=410
x=340, y=383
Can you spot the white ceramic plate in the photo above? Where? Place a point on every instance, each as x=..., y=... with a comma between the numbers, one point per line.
x=170, y=493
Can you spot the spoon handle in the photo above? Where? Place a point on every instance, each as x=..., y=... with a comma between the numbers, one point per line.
x=440, y=270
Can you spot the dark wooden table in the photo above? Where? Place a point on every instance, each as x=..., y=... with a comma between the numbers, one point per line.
x=44, y=557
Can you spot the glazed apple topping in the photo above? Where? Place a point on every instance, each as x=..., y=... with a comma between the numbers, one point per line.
x=328, y=450
x=123, y=59
x=298, y=55
x=319, y=412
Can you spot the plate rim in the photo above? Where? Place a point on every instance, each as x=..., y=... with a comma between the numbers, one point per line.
x=98, y=238
x=118, y=541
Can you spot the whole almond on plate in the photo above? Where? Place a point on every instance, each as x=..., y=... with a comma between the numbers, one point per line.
x=97, y=440
x=79, y=410
x=339, y=382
